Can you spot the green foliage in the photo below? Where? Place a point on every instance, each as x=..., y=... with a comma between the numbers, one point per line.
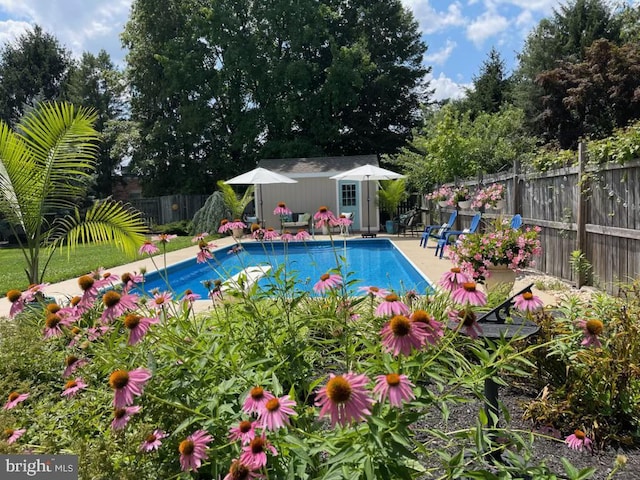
x=45, y=164
x=581, y=266
x=204, y=366
x=181, y=228
x=32, y=69
x=208, y=218
x=391, y=194
x=491, y=88
x=235, y=204
x=592, y=388
x=244, y=81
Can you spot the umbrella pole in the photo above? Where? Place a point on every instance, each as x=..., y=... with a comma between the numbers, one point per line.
x=368, y=234
x=261, y=211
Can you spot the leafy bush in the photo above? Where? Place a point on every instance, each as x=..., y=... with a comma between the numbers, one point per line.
x=195, y=378
x=181, y=228
x=589, y=359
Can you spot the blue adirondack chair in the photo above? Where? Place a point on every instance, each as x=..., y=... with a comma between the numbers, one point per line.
x=447, y=237
x=516, y=221
x=434, y=230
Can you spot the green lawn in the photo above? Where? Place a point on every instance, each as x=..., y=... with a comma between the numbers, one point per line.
x=84, y=259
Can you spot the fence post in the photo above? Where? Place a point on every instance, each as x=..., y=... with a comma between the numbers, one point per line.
x=516, y=200
x=581, y=214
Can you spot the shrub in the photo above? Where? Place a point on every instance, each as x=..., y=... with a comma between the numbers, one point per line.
x=181, y=228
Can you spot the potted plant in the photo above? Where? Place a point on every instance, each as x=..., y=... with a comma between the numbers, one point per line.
x=236, y=206
x=390, y=195
x=481, y=255
x=462, y=197
x=491, y=196
x=442, y=195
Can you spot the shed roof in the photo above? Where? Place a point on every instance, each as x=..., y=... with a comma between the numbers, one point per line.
x=313, y=166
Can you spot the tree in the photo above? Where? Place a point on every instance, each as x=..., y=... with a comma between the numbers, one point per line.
x=217, y=87
x=45, y=165
x=94, y=82
x=33, y=69
x=491, y=88
x=593, y=97
x=562, y=38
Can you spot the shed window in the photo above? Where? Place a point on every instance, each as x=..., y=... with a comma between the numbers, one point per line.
x=349, y=195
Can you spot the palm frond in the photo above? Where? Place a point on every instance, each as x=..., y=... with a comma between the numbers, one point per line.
x=108, y=221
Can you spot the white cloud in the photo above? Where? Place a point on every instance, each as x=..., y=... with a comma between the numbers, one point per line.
x=446, y=88
x=78, y=25
x=431, y=20
x=440, y=57
x=486, y=25
x=10, y=30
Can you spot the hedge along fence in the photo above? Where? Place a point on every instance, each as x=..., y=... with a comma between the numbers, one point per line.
x=591, y=208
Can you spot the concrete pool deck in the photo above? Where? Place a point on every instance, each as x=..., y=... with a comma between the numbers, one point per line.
x=423, y=258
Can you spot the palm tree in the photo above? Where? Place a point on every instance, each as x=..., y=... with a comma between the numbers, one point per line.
x=46, y=164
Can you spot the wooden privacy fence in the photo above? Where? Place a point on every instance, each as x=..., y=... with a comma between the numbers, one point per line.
x=169, y=208
x=594, y=209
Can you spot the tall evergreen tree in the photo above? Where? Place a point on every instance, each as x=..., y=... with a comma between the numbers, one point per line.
x=491, y=88
x=33, y=68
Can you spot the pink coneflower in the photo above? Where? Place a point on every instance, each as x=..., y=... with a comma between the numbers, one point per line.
x=190, y=297
x=224, y=226
x=375, y=291
x=276, y=412
x=72, y=364
x=400, y=335
x=34, y=291
x=468, y=293
x=149, y=248
x=287, y=237
x=327, y=282
x=578, y=440
x=236, y=224
x=160, y=300
x=72, y=387
x=453, y=279
x=89, y=290
x=17, y=302
x=127, y=384
x=592, y=328
x=117, y=304
x=53, y=325
x=164, y=237
x=94, y=333
x=138, y=326
x=108, y=280
x=203, y=255
x=256, y=400
x=344, y=398
x=397, y=388
x=200, y=237
x=257, y=233
x=282, y=210
x=255, y=453
x=152, y=441
x=14, y=399
x=241, y=471
x=270, y=234
x=130, y=280
x=235, y=250
x=324, y=216
x=528, y=302
x=391, y=306
x=434, y=329
x=192, y=450
x=467, y=318
x=11, y=435
x=121, y=416
x=302, y=235
x=245, y=432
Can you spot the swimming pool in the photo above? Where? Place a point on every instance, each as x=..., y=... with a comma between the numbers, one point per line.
x=373, y=262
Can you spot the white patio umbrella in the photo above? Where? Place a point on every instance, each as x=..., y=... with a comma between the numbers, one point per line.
x=259, y=176
x=364, y=174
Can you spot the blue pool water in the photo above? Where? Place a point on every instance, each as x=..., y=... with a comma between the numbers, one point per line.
x=373, y=262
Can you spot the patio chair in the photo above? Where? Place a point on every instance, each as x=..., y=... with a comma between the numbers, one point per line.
x=436, y=231
x=447, y=236
x=409, y=222
x=516, y=221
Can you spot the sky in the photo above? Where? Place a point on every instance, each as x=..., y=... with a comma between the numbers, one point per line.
x=459, y=34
